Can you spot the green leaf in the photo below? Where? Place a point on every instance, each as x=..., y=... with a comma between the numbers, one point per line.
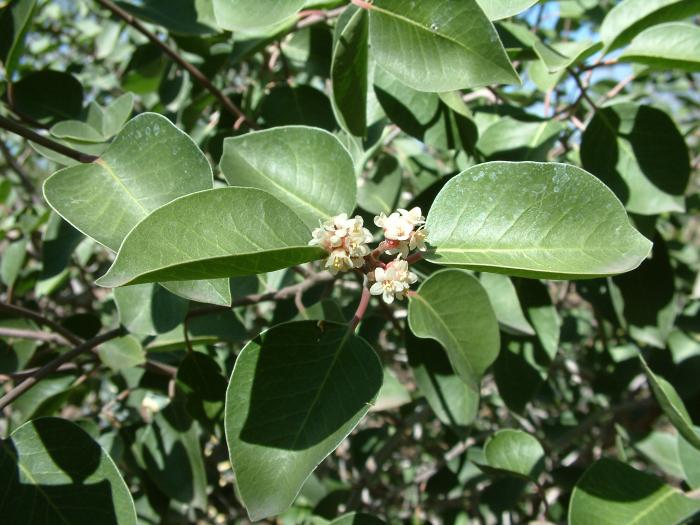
x=672, y=405
x=541, y=314
x=63, y=101
x=15, y=21
x=515, y=452
x=454, y=309
x=200, y=378
x=206, y=240
x=149, y=309
x=297, y=105
x=500, y=9
x=349, y=70
x=76, y=130
x=149, y=164
x=54, y=472
x=666, y=46
x=640, y=154
x=534, y=220
x=562, y=55
x=124, y=352
x=453, y=402
x=613, y=493
x=689, y=457
x=297, y=390
x=169, y=452
x=114, y=116
x=181, y=17
x=510, y=139
x=505, y=303
x=380, y=190
x=630, y=17
x=648, y=312
x=12, y=261
x=392, y=395
x=438, y=46
x=308, y=169
x=248, y=15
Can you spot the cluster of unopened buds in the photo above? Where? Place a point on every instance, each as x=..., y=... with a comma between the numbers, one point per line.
x=347, y=242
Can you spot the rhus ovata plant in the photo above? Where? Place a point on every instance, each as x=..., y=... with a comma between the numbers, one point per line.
x=340, y=262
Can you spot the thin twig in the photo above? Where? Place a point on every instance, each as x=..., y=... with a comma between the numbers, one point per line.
x=46, y=337
x=196, y=74
x=54, y=365
x=280, y=295
x=42, y=320
x=22, y=131
x=15, y=166
x=583, y=89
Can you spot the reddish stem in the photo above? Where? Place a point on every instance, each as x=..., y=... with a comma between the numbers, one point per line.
x=414, y=258
x=361, y=308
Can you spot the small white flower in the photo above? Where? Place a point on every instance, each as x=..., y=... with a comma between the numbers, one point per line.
x=414, y=216
x=339, y=261
x=345, y=239
x=392, y=282
x=400, y=247
x=396, y=227
x=417, y=240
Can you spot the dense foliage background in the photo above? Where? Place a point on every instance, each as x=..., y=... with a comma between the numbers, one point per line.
x=578, y=405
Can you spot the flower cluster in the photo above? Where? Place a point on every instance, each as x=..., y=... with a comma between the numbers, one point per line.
x=347, y=243
x=400, y=231
x=346, y=240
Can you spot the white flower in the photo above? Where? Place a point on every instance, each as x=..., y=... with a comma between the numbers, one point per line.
x=413, y=217
x=417, y=240
x=345, y=239
x=396, y=227
x=339, y=261
x=400, y=247
x=392, y=282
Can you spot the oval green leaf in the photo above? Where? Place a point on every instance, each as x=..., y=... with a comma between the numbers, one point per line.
x=297, y=390
x=150, y=163
x=52, y=468
x=454, y=309
x=689, y=458
x=438, y=46
x=226, y=232
x=308, y=169
x=533, y=220
x=630, y=17
x=249, y=15
x=613, y=493
x=666, y=46
x=515, y=452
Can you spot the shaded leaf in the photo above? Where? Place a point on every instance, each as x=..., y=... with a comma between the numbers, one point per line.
x=149, y=309
x=296, y=392
x=640, y=154
x=15, y=21
x=612, y=493
x=63, y=101
x=52, y=468
x=349, y=70
x=124, y=352
x=247, y=15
